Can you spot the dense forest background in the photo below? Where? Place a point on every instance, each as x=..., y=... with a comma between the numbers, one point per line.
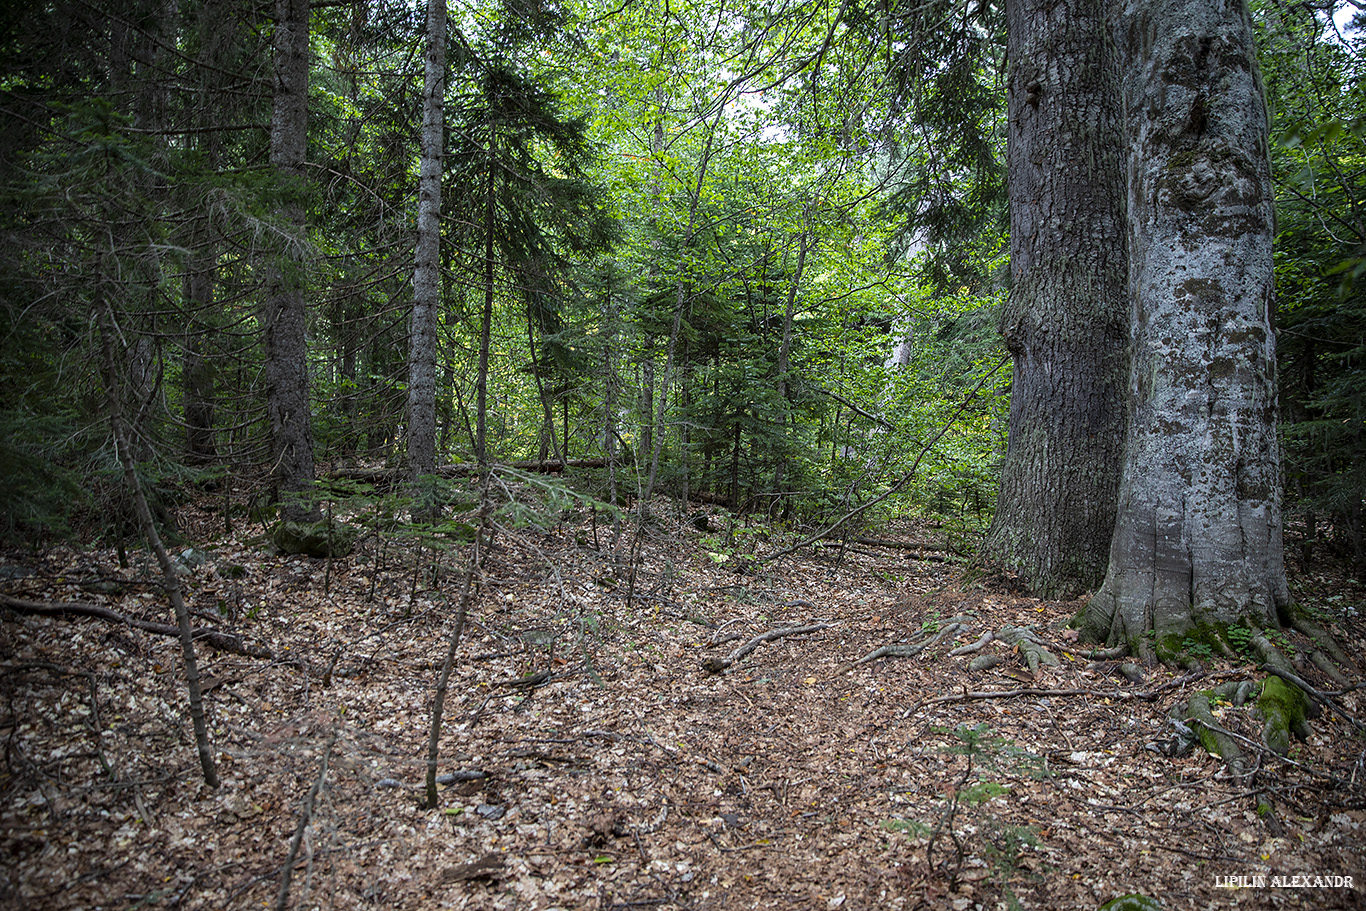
x=748, y=253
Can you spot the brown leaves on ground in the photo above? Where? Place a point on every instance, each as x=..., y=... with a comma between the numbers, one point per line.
x=625, y=776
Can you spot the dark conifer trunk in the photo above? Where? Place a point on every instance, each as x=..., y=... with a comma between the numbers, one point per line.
x=427, y=271
x=1065, y=322
x=284, y=313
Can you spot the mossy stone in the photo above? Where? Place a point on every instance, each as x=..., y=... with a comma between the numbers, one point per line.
x=314, y=539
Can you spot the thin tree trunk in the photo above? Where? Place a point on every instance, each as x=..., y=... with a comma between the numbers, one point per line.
x=647, y=401
x=149, y=532
x=197, y=371
x=469, y=589
x=1198, y=535
x=427, y=269
x=1066, y=320
x=785, y=347
x=486, y=317
x=680, y=303
x=285, y=313
x=548, y=436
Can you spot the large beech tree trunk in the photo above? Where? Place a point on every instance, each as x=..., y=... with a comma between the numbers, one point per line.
x=1065, y=323
x=284, y=311
x=1198, y=535
x=427, y=270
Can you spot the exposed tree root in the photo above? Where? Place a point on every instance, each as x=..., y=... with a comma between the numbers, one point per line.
x=1324, y=640
x=1284, y=703
x=984, y=663
x=1329, y=668
x=975, y=646
x=1212, y=735
x=1269, y=653
x=954, y=626
x=1119, y=695
x=1318, y=696
x=723, y=665
x=1107, y=654
x=1030, y=647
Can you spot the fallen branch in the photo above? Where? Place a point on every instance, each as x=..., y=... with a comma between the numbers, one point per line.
x=913, y=550
x=900, y=483
x=882, y=422
x=459, y=470
x=305, y=817
x=224, y=642
x=722, y=665
x=717, y=638
x=1145, y=696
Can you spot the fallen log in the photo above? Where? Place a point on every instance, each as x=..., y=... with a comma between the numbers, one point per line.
x=460, y=470
x=224, y=642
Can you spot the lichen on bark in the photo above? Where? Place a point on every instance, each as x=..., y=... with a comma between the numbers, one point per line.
x=1198, y=534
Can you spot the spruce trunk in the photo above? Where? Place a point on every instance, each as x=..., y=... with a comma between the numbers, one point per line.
x=1065, y=323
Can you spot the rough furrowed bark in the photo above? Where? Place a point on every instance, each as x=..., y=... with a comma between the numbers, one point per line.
x=427, y=256
x=1065, y=323
x=284, y=314
x=1197, y=540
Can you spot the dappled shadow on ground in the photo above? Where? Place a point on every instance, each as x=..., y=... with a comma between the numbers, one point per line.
x=631, y=777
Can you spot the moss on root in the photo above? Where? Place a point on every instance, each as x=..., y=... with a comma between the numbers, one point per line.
x=1283, y=707
x=1212, y=738
x=1132, y=902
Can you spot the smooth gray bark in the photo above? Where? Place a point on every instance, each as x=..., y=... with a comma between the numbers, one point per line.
x=427, y=269
x=284, y=313
x=1065, y=322
x=1198, y=534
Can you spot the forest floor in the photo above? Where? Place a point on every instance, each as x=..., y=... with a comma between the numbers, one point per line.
x=632, y=777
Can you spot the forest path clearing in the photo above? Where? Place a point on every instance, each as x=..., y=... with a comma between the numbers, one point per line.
x=619, y=773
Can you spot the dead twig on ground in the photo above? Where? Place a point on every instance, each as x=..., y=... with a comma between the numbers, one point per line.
x=305, y=817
